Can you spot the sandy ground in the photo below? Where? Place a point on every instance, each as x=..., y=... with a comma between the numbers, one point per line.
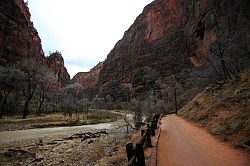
x=183, y=144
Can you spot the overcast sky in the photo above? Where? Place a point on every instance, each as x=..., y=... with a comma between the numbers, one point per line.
x=84, y=31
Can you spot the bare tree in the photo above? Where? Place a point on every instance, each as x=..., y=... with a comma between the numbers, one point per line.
x=170, y=88
x=136, y=108
x=3, y=89
x=56, y=99
x=30, y=79
x=108, y=102
x=45, y=85
x=7, y=81
x=72, y=91
x=127, y=121
x=229, y=58
x=150, y=78
x=83, y=105
x=218, y=49
x=67, y=104
x=98, y=103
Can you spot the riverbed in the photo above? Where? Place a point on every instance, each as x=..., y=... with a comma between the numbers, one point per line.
x=19, y=135
x=54, y=146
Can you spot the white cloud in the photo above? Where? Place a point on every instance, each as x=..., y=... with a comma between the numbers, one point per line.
x=84, y=31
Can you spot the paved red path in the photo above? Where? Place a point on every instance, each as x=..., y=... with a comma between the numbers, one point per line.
x=184, y=144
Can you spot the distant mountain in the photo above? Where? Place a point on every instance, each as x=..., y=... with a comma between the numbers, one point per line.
x=87, y=82
x=88, y=79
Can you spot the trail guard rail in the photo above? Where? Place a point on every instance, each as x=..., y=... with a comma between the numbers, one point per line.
x=135, y=153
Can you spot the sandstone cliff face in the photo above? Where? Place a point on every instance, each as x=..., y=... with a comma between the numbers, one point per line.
x=56, y=63
x=20, y=40
x=88, y=79
x=170, y=41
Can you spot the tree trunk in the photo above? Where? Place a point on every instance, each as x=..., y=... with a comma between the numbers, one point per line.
x=3, y=104
x=26, y=109
x=39, y=111
x=2, y=107
x=16, y=104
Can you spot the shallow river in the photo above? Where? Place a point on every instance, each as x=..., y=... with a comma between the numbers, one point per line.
x=18, y=135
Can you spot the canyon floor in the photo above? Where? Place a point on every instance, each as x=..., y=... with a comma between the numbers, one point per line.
x=98, y=144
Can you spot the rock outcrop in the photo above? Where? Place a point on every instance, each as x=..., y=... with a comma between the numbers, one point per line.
x=88, y=79
x=19, y=39
x=56, y=63
x=169, y=45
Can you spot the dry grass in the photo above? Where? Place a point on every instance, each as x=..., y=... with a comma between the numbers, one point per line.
x=33, y=117
x=54, y=120
x=120, y=158
x=223, y=109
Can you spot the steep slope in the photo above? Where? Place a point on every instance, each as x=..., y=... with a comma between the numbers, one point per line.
x=223, y=109
x=19, y=39
x=169, y=46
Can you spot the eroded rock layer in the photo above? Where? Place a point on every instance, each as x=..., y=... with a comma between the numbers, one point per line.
x=169, y=44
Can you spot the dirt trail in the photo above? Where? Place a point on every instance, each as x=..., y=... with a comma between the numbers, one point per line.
x=183, y=144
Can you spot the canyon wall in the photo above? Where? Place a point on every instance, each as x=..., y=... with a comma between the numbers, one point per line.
x=88, y=79
x=169, y=45
x=19, y=39
x=55, y=61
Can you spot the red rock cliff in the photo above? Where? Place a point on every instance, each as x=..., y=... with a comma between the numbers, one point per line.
x=88, y=79
x=56, y=63
x=20, y=40
x=24, y=9
x=171, y=40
